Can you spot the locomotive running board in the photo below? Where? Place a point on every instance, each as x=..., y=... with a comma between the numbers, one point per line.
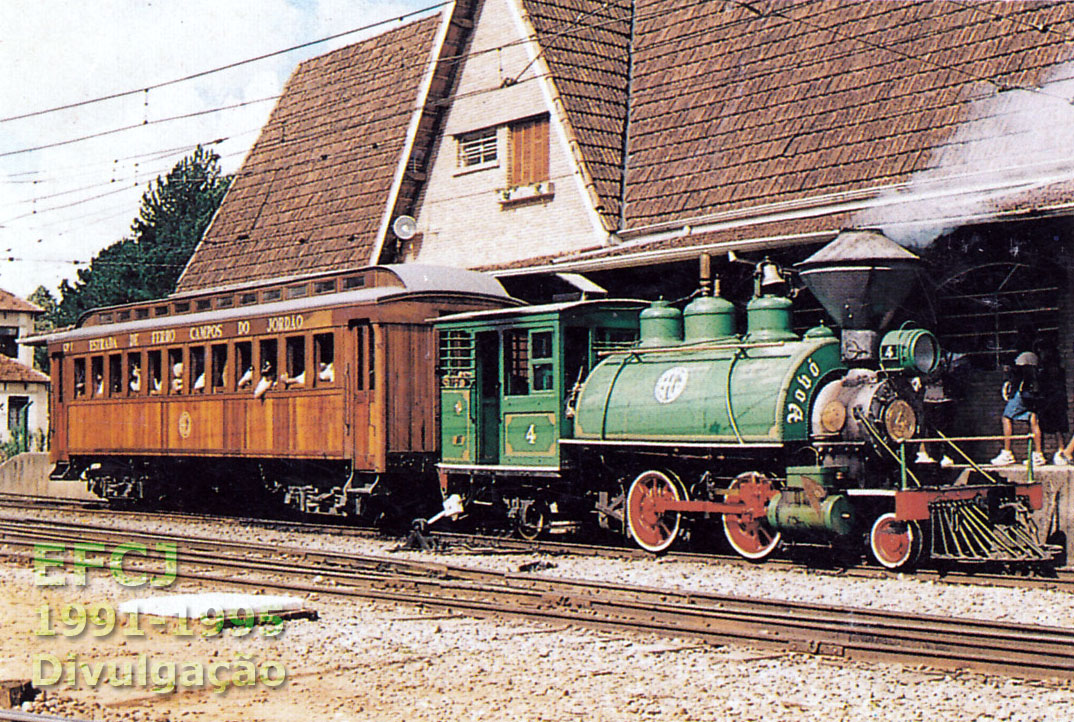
x=495, y=468
x=677, y=444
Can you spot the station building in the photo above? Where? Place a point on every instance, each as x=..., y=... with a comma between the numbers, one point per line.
x=23, y=389
x=573, y=145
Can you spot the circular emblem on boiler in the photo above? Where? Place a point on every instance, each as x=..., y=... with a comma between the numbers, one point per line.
x=670, y=384
x=185, y=424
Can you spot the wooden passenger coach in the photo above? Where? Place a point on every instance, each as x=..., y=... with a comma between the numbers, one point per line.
x=323, y=389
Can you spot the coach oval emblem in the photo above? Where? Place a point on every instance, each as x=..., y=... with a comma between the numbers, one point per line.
x=185, y=424
x=670, y=385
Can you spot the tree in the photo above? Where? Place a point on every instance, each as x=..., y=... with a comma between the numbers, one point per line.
x=174, y=213
x=43, y=323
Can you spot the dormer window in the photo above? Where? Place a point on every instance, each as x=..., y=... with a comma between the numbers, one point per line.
x=478, y=149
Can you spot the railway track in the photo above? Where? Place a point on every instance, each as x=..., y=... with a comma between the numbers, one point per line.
x=1062, y=578
x=1015, y=650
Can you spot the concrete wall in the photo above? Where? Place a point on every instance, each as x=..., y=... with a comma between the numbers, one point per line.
x=28, y=474
x=460, y=217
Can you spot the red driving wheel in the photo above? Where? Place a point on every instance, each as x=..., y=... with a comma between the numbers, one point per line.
x=652, y=530
x=749, y=533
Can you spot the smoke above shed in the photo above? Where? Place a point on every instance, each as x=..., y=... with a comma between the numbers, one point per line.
x=1014, y=151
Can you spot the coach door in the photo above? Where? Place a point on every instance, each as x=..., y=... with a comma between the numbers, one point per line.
x=361, y=384
x=57, y=428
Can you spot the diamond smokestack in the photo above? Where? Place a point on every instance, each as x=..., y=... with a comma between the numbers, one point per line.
x=860, y=278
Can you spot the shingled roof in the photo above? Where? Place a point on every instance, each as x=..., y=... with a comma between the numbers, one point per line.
x=747, y=104
x=12, y=303
x=587, y=48
x=311, y=193
x=13, y=371
x=782, y=122
x=697, y=123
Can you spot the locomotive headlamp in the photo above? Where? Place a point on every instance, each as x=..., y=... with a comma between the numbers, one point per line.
x=909, y=349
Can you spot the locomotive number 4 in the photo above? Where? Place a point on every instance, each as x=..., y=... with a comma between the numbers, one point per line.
x=531, y=435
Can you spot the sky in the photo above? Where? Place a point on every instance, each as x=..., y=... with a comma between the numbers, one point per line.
x=60, y=205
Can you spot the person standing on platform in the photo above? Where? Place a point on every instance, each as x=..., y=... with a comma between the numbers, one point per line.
x=1022, y=394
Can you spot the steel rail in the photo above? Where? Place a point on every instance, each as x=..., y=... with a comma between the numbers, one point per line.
x=860, y=634
x=486, y=544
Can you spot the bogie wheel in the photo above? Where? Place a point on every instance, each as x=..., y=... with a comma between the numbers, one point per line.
x=895, y=544
x=533, y=521
x=653, y=531
x=749, y=533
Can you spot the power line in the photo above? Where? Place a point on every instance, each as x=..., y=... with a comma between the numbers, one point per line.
x=568, y=29
x=565, y=30
x=143, y=124
x=221, y=68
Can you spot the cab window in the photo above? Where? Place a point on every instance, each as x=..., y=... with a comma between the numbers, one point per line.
x=529, y=361
x=516, y=362
x=542, y=361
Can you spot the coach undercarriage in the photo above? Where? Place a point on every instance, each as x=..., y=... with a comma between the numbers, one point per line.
x=306, y=486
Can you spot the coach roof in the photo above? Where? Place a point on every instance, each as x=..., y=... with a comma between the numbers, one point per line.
x=416, y=279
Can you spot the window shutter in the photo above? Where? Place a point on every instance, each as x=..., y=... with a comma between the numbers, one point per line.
x=528, y=151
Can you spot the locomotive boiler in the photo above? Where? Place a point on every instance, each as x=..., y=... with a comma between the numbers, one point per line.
x=776, y=437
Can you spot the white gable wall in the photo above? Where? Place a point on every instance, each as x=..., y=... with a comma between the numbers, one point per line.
x=460, y=216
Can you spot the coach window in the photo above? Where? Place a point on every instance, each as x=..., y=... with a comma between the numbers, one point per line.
x=268, y=356
x=295, y=371
x=324, y=350
x=156, y=375
x=197, y=369
x=175, y=370
x=516, y=362
x=97, y=375
x=541, y=343
x=115, y=374
x=80, y=377
x=219, y=367
x=244, y=365
x=134, y=373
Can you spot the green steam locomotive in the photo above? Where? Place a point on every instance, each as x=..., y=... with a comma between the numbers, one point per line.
x=652, y=421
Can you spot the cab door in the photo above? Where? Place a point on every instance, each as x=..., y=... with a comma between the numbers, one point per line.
x=531, y=397
x=487, y=408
